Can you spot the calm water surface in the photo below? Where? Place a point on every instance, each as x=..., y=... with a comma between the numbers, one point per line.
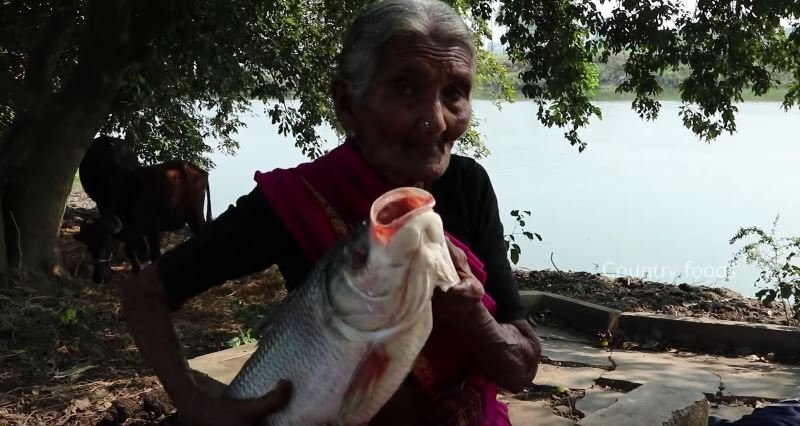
x=645, y=198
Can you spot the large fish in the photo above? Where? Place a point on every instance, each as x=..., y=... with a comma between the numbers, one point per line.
x=348, y=336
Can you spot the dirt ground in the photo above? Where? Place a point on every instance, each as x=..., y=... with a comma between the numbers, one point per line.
x=637, y=295
x=69, y=360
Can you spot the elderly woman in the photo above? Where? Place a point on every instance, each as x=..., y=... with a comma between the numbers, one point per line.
x=402, y=93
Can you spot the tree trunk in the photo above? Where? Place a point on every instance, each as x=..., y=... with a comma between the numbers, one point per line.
x=34, y=206
x=42, y=150
x=50, y=148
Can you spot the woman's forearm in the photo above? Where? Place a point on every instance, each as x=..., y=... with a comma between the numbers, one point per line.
x=148, y=318
x=508, y=353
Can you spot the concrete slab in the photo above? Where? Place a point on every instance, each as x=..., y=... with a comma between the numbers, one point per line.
x=560, y=350
x=584, y=316
x=546, y=332
x=531, y=299
x=224, y=355
x=742, y=377
x=699, y=372
x=730, y=413
x=643, y=367
x=653, y=405
x=710, y=333
x=212, y=372
x=596, y=400
x=533, y=413
x=570, y=377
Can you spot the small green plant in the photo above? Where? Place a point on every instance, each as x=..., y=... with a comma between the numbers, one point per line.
x=774, y=256
x=243, y=338
x=68, y=316
x=511, y=243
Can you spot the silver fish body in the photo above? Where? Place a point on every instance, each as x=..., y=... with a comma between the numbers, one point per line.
x=348, y=336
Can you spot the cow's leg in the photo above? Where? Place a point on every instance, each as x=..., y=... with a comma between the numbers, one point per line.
x=132, y=249
x=195, y=217
x=196, y=223
x=154, y=240
x=136, y=249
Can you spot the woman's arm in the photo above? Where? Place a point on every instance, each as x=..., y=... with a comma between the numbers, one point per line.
x=147, y=312
x=508, y=353
x=504, y=346
x=224, y=250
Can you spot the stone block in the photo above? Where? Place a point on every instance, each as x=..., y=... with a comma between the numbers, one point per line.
x=653, y=405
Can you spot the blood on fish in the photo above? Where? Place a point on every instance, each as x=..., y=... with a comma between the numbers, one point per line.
x=368, y=374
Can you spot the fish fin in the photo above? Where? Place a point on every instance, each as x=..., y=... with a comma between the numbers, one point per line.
x=368, y=373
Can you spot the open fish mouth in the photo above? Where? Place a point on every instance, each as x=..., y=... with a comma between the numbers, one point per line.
x=389, y=215
x=405, y=246
x=395, y=208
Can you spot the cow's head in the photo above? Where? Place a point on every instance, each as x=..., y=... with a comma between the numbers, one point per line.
x=98, y=236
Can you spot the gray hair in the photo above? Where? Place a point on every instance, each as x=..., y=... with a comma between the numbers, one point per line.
x=384, y=19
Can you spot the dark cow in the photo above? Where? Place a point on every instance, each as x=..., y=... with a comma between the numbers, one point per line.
x=149, y=200
x=102, y=169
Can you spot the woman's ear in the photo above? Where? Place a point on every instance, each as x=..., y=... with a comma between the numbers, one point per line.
x=343, y=105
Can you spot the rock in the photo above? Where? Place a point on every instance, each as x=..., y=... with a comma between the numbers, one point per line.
x=99, y=394
x=685, y=287
x=654, y=405
x=564, y=411
x=82, y=404
x=120, y=410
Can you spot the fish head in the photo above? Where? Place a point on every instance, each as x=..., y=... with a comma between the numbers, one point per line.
x=394, y=264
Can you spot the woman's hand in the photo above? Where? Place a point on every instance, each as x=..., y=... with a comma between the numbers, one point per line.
x=508, y=353
x=462, y=303
x=201, y=410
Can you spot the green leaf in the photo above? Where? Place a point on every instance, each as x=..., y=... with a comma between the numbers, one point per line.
x=514, y=256
x=786, y=290
x=538, y=236
x=68, y=316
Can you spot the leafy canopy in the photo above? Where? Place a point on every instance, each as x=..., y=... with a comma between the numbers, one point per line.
x=210, y=61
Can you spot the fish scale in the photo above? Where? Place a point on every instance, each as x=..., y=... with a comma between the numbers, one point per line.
x=291, y=349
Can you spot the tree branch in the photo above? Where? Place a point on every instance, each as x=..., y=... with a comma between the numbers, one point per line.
x=46, y=51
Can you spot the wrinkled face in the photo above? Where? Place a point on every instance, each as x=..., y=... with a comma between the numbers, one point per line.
x=415, y=108
x=98, y=239
x=389, y=271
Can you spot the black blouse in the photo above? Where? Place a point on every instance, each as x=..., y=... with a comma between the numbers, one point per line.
x=249, y=237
